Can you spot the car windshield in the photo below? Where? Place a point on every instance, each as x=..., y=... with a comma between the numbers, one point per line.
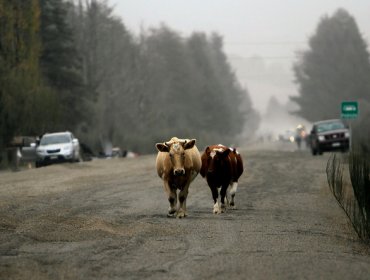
x=322, y=127
x=55, y=139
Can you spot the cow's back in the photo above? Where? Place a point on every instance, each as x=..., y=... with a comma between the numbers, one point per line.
x=161, y=164
x=196, y=162
x=194, y=156
x=236, y=164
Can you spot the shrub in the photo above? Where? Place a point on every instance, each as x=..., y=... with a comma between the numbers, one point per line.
x=356, y=206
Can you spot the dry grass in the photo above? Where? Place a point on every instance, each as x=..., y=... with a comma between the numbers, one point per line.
x=348, y=178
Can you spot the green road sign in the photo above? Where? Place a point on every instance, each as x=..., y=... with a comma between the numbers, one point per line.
x=349, y=109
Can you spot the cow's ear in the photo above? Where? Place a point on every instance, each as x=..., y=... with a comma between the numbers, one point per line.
x=208, y=150
x=162, y=147
x=189, y=144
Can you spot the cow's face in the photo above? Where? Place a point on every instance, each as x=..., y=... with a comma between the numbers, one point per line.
x=177, y=155
x=216, y=159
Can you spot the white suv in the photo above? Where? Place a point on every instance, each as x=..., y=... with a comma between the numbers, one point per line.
x=57, y=147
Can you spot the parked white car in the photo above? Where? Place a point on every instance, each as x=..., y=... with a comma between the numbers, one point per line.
x=57, y=147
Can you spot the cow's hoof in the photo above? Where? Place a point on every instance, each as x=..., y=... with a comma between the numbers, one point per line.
x=232, y=206
x=223, y=208
x=181, y=215
x=216, y=210
x=171, y=213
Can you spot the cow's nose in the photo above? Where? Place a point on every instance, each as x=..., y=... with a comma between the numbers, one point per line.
x=179, y=172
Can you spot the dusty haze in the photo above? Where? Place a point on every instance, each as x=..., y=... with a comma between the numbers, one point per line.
x=261, y=37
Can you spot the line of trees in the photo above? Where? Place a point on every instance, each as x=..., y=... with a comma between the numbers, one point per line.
x=73, y=65
x=336, y=68
x=26, y=103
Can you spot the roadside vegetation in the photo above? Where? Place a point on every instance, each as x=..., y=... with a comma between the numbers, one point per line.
x=349, y=178
x=353, y=195
x=359, y=167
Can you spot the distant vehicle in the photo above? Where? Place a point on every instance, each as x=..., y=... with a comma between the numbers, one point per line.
x=57, y=147
x=116, y=152
x=21, y=151
x=28, y=149
x=329, y=135
x=288, y=136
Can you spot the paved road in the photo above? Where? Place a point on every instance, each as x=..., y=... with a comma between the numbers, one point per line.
x=106, y=219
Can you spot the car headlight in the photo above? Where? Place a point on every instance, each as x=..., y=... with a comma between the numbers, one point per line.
x=346, y=134
x=321, y=137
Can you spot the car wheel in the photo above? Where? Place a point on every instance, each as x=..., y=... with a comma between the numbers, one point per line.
x=38, y=164
x=313, y=151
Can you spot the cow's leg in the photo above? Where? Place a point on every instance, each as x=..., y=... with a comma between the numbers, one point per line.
x=223, y=195
x=227, y=197
x=183, y=194
x=172, y=199
x=233, y=189
x=216, y=206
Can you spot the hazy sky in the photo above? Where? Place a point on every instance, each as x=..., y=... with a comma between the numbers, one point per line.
x=271, y=29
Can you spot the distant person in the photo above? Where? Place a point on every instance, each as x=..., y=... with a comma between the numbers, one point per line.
x=300, y=135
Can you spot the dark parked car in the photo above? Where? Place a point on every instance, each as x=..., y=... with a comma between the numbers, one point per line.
x=329, y=135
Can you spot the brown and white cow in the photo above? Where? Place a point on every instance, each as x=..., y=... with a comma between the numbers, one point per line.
x=178, y=163
x=222, y=166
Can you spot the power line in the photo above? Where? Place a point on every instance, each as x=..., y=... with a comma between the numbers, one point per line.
x=266, y=43
x=262, y=57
